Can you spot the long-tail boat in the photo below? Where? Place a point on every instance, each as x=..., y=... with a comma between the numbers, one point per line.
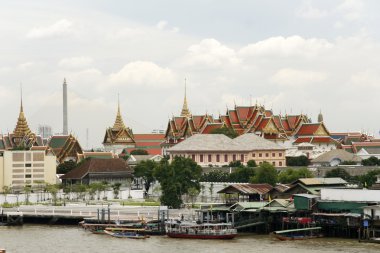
x=298, y=234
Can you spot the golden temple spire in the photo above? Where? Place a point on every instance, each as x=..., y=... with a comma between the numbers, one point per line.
x=119, y=123
x=185, y=109
x=22, y=128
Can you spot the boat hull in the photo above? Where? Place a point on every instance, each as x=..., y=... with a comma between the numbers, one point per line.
x=294, y=238
x=194, y=236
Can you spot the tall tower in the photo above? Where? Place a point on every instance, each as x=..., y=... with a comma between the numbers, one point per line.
x=65, y=123
x=185, y=109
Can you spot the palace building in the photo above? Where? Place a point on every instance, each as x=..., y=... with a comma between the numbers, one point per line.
x=118, y=137
x=219, y=150
x=63, y=147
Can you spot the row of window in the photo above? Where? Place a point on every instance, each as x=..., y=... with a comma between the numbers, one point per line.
x=218, y=158
x=21, y=156
x=267, y=155
x=28, y=176
x=20, y=165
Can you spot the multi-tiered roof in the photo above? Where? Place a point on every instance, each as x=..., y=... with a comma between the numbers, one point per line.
x=119, y=134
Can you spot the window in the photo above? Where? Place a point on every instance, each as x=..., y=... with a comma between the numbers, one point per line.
x=217, y=158
x=273, y=154
x=242, y=158
x=209, y=158
x=234, y=157
x=254, y=155
x=280, y=154
x=279, y=163
x=28, y=176
x=260, y=155
x=260, y=163
x=18, y=157
x=193, y=157
x=225, y=158
x=274, y=163
x=266, y=154
x=38, y=156
x=201, y=158
x=28, y=165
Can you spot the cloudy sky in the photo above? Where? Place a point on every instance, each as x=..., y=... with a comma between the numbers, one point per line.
x=292, y=56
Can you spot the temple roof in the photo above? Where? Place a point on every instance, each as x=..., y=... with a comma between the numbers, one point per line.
x=119, y=123
x=22, y=128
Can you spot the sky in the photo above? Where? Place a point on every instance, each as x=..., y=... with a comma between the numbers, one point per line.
x=298, y=56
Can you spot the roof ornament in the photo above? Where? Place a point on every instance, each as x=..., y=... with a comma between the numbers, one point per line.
x=320, y=116
x=185, y=109
x=119, y=123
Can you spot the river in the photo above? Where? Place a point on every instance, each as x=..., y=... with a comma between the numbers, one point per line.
x=70, y=239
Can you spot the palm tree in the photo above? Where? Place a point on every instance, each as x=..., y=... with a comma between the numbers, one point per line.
x=6, y=191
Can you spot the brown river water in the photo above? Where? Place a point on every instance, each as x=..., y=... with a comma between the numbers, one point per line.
x=68, y=239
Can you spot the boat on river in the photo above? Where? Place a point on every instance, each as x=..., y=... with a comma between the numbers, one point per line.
x=298, y=234
x=131, y=233
x=192, y=230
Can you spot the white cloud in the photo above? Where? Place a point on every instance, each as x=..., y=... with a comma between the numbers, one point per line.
x=351, y=9
x=161, y=25
x=307, y=11
x=286, y=47
x=294, y=78
x=366, y=79
x=210, y=53
x=144, y=73
x=76, y=62
x=60, y=28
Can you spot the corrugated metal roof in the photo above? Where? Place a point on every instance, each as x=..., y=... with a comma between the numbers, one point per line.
x=322, y=181
x=247, y=189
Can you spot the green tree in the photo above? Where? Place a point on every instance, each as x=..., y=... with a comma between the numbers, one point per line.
x=53, y=190
x=6, y=190
x=265, y=173
x=369, y=178
x=242, y=174
x=216, y=176
x=116, y=189
x=251, y=163
x=176, y=178
x=338, y=172
x=235, y=164
x=297, y=161
x=290, y=175
x=144, y=170
x=228, y=131
x=105, y=188
x=80, y=190
x=27, y=189
x=96, y=187
x=372, y=161
x=139, y=152
x=193, y=193
x=348, y=163
x=66, y=166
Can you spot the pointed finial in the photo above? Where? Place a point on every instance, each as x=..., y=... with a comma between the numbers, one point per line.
x=64, y=80
x=21, y=108
x=250, y=100
x=185, y=110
